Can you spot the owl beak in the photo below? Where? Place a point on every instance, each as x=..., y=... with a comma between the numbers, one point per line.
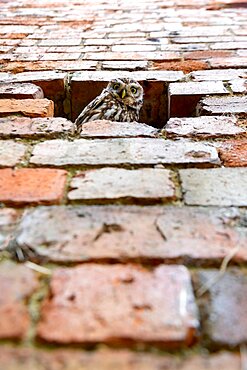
x=123, y=93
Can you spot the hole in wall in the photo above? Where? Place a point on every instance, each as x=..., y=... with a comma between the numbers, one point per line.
x=155, y=107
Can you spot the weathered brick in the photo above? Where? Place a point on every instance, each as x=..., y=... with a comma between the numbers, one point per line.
x=238, y=85
x=140, y=55
x=29, y=185
x=236, y=105
x=52, y=83
x=221, y=75
x=230, y=62
x=125, y=301
x=233, y=153
x=185, y=66
x=128, y=65
x=8, y=221
x=138, y=151
x=227, y=309
x=86, y=86
x=14, y=358
x=207, y=54
x=17, y=283
x=216, y=186
x=109, y=129
x=183, y=97
x=121, y=233
x=20, y=91
x=146, y=184
x=34, y=127
x=11, y=153
x=203, y=127
x=27, y=107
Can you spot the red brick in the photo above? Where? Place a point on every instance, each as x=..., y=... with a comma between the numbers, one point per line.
x=17, y=283
x=27, y=107
x=227, y=309
x=39, y=186
x=18, y=67
x=126, y=234
x=207, y=54
x=14, y=358
x=52, y=83
x=20, y=91
x=126, y=306
x=26, y=127
x=183, y=97
x=184, y=66
x=233, y=153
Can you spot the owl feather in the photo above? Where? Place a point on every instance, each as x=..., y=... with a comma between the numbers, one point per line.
x=120, y=101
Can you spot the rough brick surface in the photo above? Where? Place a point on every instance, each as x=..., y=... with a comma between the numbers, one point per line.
x=86, y=233
x=216, y=186
x=227, y=309
x=11, y=153
x=29, y=185
x=27, y=107
x=204, y=127
x=20, y=91
x=147, y=184
x=51, y=82
x=236, y=105
x=126, y=305
x=11, y=127
x=137, y=151
x=26, y=358
x=106, y=129
x=8, y=220
x=183, y=97
x=17, y=283
x=233, y=153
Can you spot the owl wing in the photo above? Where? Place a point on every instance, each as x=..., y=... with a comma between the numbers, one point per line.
x=93, y=110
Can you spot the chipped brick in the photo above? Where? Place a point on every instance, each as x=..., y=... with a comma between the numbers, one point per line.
x=20, y=91
x=236, y=105
x=203, y=127
x=34, y=127
x=183, y=97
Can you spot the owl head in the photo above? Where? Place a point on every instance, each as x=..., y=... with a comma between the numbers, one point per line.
x=127, y=91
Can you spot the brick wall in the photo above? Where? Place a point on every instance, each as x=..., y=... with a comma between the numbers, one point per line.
x=124, y=246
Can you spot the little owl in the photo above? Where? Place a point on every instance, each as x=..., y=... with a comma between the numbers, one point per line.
x=120, y=101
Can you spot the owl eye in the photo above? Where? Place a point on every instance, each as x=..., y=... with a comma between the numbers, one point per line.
x=116, y=86
x=133, y=90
